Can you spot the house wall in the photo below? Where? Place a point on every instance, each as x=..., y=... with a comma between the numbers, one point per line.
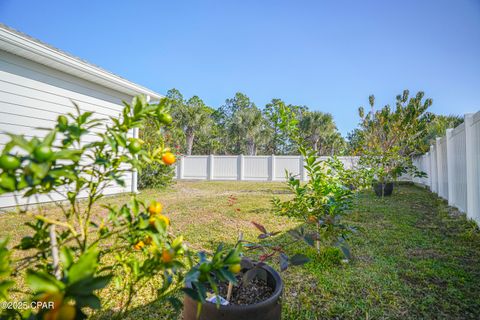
x=33, y=95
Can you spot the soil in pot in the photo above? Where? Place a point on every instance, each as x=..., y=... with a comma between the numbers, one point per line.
x=387, y=189
x=255, y=291
x=259, y=300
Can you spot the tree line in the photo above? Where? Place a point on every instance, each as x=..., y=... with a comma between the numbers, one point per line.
x=239, y=126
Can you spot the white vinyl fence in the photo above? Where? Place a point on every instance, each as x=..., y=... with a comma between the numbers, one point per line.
x=453, y=167
x=250, y=168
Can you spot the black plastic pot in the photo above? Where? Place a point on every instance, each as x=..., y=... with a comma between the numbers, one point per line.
x=387, y=189
x=269, y=309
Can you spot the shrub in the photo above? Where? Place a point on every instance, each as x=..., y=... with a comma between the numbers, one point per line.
x=389, y=138
x=322, y=200
x=65, y=254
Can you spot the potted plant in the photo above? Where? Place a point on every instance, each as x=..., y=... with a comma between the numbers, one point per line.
x=385, y=169
x=390, y=138
x=64, y=260
x=228, y=285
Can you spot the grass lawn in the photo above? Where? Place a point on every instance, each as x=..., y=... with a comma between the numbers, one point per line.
x=413, y=258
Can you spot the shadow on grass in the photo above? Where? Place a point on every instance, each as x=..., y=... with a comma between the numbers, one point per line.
x=158, y=309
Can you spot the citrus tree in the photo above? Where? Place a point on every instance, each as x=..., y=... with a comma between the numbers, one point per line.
x=389, y=138
x=65, y=254
x=322, y=200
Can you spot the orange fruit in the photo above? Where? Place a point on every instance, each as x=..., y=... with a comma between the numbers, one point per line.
x=163, y=218
x=168, y=158
x=167, y=256
x=235, y=268
x=139, y=245
x=155, y=208
x=55, y=297
x=312, y=219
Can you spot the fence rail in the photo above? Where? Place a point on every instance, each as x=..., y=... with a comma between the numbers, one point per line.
x=453, y=167
x=249, y=168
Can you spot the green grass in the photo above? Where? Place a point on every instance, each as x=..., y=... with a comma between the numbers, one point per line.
x=413, y=258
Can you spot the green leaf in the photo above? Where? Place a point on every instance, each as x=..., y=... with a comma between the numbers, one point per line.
x=90, y=301
x=298, y=259
x=41, y=281
x=192, y=276
x=283, y=262
x=4, y=286
x=20, y=141
x=66, y=256
x=228, y=275
x=40, y=169
x=88, y=285
x=191, y=293
x=49, y=138
x=73, y=155
x=84, y=267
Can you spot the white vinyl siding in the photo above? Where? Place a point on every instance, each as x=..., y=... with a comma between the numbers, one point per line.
x=33, y=95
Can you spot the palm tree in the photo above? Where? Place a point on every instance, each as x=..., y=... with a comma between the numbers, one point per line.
x=317, y=127
x=248, y=123
x=193, y=117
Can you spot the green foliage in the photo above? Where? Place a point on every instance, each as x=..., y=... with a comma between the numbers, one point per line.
x=438, y=128
x=154, y=174
x=77, y=285
x=66, y=160
x=241, y=127
x=332, y=255
x=322, y=200
x=212, y=269
x=5, y=270
x=268, y=251
x=319, y=130
x=193, y=120
x=389, y=138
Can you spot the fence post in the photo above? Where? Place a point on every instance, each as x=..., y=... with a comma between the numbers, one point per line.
x=302, y=170
x=450, y=168
x=181, y=167
x=240, y=167
x=271, y=175
x=472, y=184
x=428, y=169
x=439, y=169
x=211, y=163
x=433, y=169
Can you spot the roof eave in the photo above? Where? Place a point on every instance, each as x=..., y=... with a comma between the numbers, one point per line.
x=22, y=46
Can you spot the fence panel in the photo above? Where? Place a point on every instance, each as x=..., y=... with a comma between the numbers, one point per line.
x=433, y=169
x=453, y=167
x=290, y=163
x=472, y=127
x=225, y=167
x=442, y=165
x=252, y=168
x=458, y=186
x=257, y=168
x=195, y=167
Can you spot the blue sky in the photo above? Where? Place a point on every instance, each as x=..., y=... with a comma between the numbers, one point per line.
x=328, y=55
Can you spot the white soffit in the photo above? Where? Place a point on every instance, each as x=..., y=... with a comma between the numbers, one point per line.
x=26, y=47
